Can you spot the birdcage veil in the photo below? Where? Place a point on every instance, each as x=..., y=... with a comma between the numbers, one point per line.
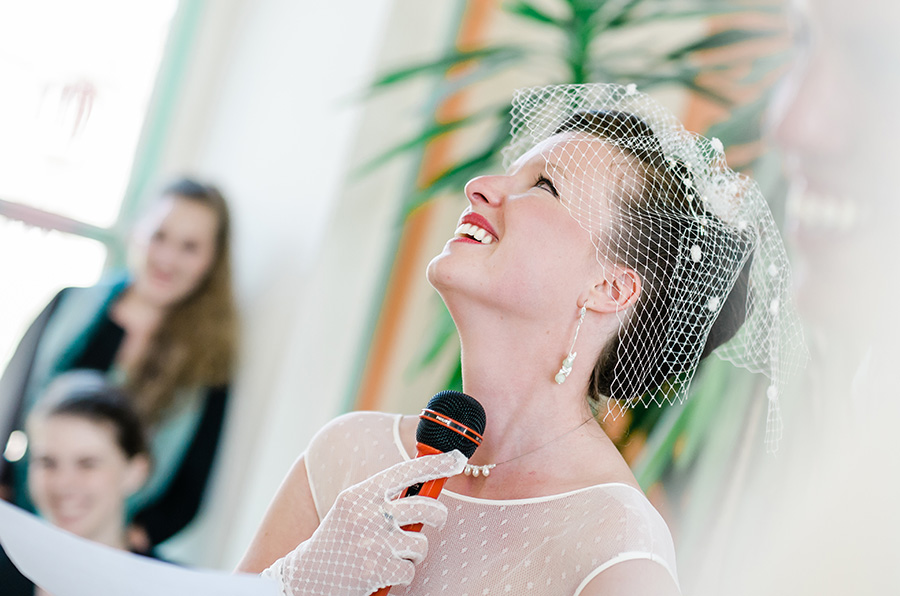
x=661, y=200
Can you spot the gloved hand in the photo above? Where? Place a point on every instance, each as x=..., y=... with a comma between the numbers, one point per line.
x=359, y=546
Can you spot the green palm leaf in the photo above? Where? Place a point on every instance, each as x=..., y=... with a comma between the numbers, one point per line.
x=589, y=29
x=441, y=65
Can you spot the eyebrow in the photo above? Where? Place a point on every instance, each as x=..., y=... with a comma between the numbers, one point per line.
x=554, y=166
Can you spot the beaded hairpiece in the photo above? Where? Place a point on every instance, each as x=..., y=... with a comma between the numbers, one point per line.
x=662, y=201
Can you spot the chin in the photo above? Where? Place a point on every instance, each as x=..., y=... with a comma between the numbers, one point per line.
x=436, y=273
x=79, y=527
x=164, y=297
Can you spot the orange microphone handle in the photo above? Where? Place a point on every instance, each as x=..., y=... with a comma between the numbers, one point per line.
x=432, y=489
x=423, y=449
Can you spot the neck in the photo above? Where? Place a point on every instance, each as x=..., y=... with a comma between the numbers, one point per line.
x=509, y=368
x=534, y=425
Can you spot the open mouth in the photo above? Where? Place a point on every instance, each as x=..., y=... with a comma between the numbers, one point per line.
x=67, y=513
x=160, y=277
x=473, y=232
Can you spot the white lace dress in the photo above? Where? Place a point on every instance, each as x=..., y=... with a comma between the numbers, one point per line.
x=544, y=545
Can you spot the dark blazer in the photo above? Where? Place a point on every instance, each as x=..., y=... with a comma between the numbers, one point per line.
x=75, y=331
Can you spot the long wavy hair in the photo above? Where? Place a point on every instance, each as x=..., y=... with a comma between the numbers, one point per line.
x=195, y=343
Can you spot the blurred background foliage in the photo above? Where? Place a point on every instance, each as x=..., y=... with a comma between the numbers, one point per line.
x=726, y=55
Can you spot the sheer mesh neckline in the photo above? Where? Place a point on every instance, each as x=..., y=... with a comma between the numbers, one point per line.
x=395, y=429
x=549, y=545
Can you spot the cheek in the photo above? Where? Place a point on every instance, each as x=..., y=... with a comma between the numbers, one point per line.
x=202, y=271
x=561, y=251
x=142, y=254
x=106, y=485
x=197, y=265
x=37, y=484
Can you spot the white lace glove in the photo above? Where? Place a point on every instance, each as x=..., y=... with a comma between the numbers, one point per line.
x=359, y=546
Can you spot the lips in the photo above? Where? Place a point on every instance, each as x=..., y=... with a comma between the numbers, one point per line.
x=475, y=227
x=67, y=511
x=160, y=277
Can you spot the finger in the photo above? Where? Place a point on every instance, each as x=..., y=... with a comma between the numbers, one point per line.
x=410, y=546
x=422, y=469
x=399, y=572
x=417, y=510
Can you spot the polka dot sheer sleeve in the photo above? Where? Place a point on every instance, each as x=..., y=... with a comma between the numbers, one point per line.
x=360, y=545
x=546, y=545
x=348, y=450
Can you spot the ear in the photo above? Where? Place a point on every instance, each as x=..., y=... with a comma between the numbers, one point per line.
x=136, y=474
x=619, y=290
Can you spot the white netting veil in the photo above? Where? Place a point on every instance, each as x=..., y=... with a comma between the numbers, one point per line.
x=662, y=202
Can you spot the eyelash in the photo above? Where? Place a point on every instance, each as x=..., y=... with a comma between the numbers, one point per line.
x=544, y=180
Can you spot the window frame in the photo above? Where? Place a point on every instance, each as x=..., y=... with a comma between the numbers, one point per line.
x=167, y=86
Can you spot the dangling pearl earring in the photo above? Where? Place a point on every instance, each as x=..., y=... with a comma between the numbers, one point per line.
x=566, y=367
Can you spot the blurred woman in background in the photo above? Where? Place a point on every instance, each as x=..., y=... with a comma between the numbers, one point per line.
x=166, y=331
x=88, y=454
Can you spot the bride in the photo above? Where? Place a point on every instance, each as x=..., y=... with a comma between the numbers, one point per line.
x=614, y=253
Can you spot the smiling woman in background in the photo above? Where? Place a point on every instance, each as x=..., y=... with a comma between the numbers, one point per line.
x=166, y=331
x=88, y=454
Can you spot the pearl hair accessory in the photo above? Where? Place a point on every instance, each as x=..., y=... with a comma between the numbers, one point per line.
x=566, y=367
x=485, y=470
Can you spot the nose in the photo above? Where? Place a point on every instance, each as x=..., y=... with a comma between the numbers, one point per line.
x=485, y=190
x=163, y=254
x=61, y=480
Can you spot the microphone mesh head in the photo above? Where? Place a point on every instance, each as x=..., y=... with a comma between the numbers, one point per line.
x=460, y=408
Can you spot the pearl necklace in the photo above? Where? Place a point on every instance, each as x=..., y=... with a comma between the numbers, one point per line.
x=485, y=470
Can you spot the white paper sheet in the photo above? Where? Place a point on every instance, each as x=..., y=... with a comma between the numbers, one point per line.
x=66, y=565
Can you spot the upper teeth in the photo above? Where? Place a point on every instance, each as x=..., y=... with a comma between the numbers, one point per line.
x=473, y=231
x=815, y=210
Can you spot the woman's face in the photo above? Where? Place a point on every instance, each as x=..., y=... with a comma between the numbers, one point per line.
x=835, y=117
x=177, y=245
x=79, y=477
x=528, y=253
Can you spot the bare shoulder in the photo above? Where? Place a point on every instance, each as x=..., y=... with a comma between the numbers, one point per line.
x=293, y=514
x=637, y=577
x=604, y=463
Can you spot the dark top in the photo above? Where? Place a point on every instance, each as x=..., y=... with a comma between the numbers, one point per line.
x=13, y=583
x=177, y=505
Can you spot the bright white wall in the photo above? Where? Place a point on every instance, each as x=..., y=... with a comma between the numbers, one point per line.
x=267, y=112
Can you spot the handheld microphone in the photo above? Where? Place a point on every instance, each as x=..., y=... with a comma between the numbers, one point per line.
x=451, y=420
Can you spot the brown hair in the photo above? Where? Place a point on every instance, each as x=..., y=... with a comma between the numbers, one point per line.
x=661, y=181
x=85, y=394
x=196, y=341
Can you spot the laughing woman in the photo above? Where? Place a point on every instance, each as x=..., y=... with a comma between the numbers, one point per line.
x=615, y=252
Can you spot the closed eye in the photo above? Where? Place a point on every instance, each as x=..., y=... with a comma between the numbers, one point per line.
x=546, y=184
